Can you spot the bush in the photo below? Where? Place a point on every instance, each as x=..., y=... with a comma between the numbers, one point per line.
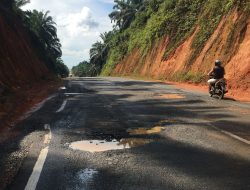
x=176, y=19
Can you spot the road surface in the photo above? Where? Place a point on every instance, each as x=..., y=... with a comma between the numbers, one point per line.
x=114, y=133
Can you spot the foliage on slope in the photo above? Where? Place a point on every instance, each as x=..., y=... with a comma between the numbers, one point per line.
x=175, y=19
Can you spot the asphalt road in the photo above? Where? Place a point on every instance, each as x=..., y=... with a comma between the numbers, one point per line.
x=113, y=133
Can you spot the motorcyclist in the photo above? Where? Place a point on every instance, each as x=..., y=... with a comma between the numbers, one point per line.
x=216, y=73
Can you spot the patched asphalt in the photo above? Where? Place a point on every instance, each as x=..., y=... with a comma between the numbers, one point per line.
x=189, y=152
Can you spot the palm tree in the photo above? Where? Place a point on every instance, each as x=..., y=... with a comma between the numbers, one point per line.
x=45, y=29
x=98, y=53
x=14, y=4
x=20, y=3
x=124, y=12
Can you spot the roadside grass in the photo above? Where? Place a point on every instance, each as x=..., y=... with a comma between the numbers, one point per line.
x=193, y=77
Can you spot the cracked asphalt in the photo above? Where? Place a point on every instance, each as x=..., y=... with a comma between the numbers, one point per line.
x=182, y=139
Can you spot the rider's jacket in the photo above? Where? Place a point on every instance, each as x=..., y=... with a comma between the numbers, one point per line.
x=218, y=72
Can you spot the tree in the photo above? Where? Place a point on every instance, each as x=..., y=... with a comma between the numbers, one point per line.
x=97, y=53
x=44, y=28
x=124, y=12
x=85, y=69
x=14, y=5
x=99, y=50
x=61, y=68
x=20, y=3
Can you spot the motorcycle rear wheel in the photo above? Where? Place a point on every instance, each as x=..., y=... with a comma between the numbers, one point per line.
x=221, y=93
x=211, y=91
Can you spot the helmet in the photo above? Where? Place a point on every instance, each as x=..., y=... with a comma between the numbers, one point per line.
x=218, y=62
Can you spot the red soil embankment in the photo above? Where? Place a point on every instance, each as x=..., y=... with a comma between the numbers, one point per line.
x=230, y=43
x=24, y=78
x=19, y=64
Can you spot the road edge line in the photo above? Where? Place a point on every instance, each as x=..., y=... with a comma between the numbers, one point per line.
x=236, y=137
x=33, y=180
x=62, y=106
x=37, y=170
x=232, y=135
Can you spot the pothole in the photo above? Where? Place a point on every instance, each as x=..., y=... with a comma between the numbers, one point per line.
x=146, y=131
x=171, y=96
x=103, y=145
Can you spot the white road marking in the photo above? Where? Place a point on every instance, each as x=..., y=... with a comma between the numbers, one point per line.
x=232, y=135
x=34, y=178
x=48, y=136
x=46, y=126
x=236, y=137
x=62, y=106
x=63, y=88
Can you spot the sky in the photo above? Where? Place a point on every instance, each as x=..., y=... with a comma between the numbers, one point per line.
x=79, y=24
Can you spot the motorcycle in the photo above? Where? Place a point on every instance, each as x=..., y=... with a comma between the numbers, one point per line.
x=218, y=88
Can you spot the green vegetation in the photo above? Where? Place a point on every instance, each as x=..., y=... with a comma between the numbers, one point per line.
x=43, y=32
x=138, y=24
x=61, y=68
x=98, y=56
x=85, y=69
x=189, y=77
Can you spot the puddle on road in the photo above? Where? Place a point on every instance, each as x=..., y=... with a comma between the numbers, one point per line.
x=85, y=178
x=102, y=145
x=146, y=131
x=171, y=96
x=86, y=175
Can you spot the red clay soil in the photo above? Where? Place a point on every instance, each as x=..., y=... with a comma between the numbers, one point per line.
x=231, y=46
x=16, y=104
x=19, y=63
x=25, y=79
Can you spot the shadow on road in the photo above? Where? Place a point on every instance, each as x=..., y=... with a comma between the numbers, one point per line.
x=101, y=114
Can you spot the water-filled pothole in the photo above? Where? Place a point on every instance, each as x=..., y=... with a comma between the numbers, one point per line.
x=146, y=131
x=103, y=145
x=171, y=96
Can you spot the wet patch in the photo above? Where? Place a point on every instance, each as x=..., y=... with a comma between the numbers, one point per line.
x=146, y=131
x=171, y=96
x=103, y=145
x=86, y=178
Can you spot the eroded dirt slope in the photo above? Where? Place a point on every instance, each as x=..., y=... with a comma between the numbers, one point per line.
x=19, y=63
x=230, y=42
x=24, y=78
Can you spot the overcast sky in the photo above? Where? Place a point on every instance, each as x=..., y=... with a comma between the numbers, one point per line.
x=79, y=24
